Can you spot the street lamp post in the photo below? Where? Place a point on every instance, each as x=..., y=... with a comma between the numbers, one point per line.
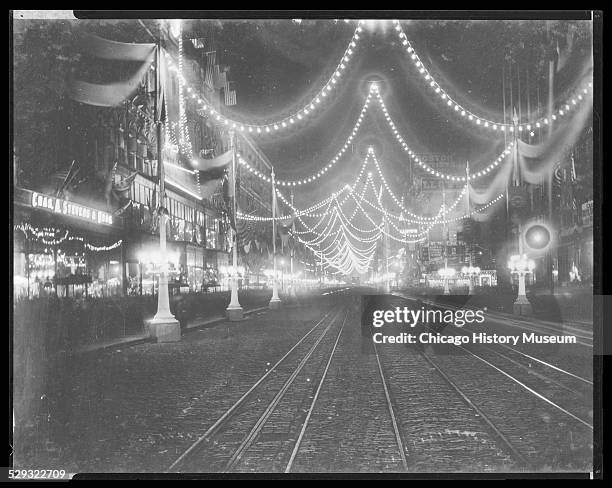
x=163, y=327
x=234, y=309
x=519, y=264
x=275, y=301
x=446, y=273
x=471, y=272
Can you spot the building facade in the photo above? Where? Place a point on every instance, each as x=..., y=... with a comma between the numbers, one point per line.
x=91, y=228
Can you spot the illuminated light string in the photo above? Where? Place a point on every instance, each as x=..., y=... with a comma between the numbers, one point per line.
x=380, y=228
x=374, y=90
x=327, y=167
x=400, y=217
x=454, y=106
x=346, y=258
x=47, y=236
x=308, y=212
x=296, y=212
x=403, y=239
x=285, y=123
x=340, y=252
x=346, y=250
x=186, y=145
x=398, y=202
x=340, y=256
x=426, y=167
x=346, y=187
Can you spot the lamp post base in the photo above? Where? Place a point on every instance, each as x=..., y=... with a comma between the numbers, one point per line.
x=234, y=313
x=275, y=303
x=165, y=329
x=522, y=306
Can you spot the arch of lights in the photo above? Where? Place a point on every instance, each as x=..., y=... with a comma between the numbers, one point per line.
x=352, y=247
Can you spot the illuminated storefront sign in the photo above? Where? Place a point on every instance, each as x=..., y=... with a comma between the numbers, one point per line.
x=59, y=206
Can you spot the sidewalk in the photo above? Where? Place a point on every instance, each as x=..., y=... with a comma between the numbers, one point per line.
x=132, y=340
x=579, y=326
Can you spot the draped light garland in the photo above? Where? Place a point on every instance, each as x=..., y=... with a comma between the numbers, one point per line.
x=325, y=168
x=453, y=105
x=426, y=167
x=343, y=252
x=47, y=236
x=285, y=123
x=374, y=91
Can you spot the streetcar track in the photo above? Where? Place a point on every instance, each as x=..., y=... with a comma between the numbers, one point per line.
x=531, y=390
x=396, y=430
x=256, y=429
x=316, y=396
x=498, y=432
x=520, y=383
x=506, y=447
x=513, y=349
x=500, y=435
x=529, y=371
x=230, y=411
x=511, y=321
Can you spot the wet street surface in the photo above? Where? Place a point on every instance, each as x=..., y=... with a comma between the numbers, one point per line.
x=304, y=389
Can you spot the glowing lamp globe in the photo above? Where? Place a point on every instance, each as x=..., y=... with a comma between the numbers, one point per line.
x=537, y=237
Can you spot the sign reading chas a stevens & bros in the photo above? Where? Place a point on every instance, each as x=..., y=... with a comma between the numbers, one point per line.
x=71, y=209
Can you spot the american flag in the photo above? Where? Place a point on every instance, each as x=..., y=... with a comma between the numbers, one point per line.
x=230, y=95
x=220, y=78
x=198, y=42
x=211, y=58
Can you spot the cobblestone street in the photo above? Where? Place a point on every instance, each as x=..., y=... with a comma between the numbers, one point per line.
x=303, y=389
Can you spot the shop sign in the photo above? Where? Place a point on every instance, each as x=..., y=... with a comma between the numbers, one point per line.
x=71, y=209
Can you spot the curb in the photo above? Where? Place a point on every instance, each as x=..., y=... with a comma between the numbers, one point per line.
x=142, y=339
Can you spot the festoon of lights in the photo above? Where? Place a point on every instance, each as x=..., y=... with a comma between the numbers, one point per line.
x=186, y=146
x=289, y=121
x=374, y=88
x=296, y=212
x=397, y=201
x=47, y=236
x=325, y=168
x=382, y=230
x=309, y=211
x=456, y=107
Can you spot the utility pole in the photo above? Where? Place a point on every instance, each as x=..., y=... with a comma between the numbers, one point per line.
x=234, y=309
x=445, y=240
x=291, y=252
x=164, y=326
x=275, y=301
x=469, y=216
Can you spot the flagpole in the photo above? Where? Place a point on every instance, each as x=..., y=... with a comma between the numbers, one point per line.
x=469, y=216
x=291, y=250
x=275, y=301
x=164, y=326
x=445, y=239
x=234, y=309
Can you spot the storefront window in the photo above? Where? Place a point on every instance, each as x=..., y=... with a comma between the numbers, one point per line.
x=149, y=280
x=41, y=268
x=212, y=233
x=132, y=273
x=178, y=229
x=189, y=232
